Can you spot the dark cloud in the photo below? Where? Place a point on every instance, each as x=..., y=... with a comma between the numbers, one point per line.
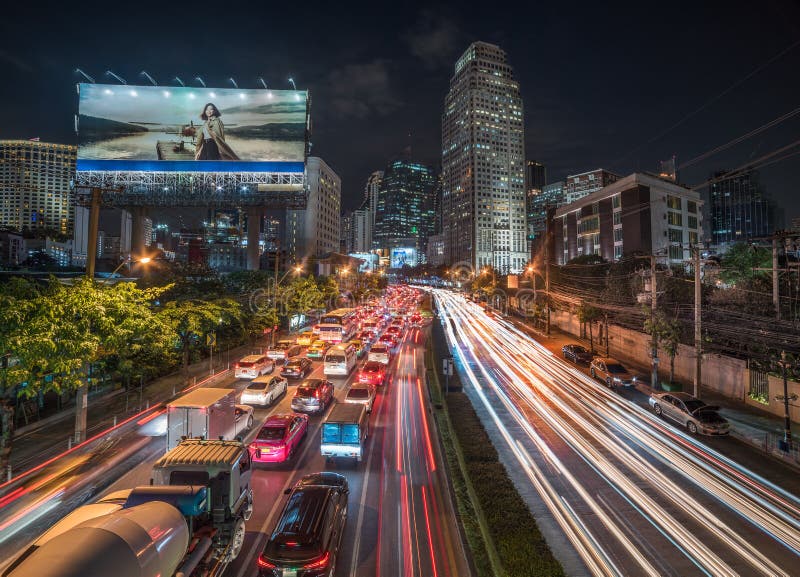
x=362, y=90
x=435, y=39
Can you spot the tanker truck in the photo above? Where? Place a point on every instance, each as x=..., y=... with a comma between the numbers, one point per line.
x=189, y=522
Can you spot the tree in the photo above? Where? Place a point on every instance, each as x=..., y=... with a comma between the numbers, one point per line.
x=589, y=314
x=739, y=265
x=668, y=335
x=190, y=320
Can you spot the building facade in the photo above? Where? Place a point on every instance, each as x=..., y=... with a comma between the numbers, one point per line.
x=535, y=181
x=577, y=186
x=404, y=215
x=483, y=163
x=35, y=185
x=638, y=213
x=738, y=209
x=316, y=230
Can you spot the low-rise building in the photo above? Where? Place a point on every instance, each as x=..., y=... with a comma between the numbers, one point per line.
x=638, y=213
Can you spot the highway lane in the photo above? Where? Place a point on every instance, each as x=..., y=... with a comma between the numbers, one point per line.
x=634, y=495
x=400, y=519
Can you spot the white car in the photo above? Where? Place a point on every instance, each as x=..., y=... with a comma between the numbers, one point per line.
x=243, y=419
x=380, y=354
x=264, y=390
x=253, y=366
x=361, y=394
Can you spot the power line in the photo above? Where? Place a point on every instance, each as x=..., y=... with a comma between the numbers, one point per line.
x=749, y=166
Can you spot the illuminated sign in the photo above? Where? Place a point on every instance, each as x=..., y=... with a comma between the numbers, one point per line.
x=191, y=129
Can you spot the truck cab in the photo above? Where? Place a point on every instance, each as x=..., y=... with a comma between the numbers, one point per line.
x=345, y=431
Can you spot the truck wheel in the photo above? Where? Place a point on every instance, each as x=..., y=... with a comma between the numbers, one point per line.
x=236, y=540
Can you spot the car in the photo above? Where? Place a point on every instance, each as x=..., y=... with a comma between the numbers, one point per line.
x=306, y=539
x=278, y=438
x=366, y=337
x=264, y=390
x=611, y=372
x=283, y=350
x=313, y=396
x=380, y=353
x=690, y=412
x=416, y=320
x=243, y=418
x=297, y=368
x=577, y=353
x=361, y=394
x=253, y=366
x=395, y=330
x=317, y=349
x=372, y=373
x=305, y=338
x=389, y=341
x=315, y=330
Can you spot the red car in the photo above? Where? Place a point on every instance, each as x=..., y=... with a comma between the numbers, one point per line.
x=389, y=340
x=373, y=373
x=279, y=438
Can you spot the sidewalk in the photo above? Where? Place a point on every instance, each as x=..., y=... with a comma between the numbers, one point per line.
x=52, y=435
x=748, y=424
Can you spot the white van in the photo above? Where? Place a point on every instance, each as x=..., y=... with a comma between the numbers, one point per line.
x=340, y=360
x=253, y=366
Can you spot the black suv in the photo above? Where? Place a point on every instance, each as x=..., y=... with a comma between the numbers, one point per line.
x=306, y=540
x=576, y=354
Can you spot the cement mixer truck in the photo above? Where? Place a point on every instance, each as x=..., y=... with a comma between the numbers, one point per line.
x=189, y=522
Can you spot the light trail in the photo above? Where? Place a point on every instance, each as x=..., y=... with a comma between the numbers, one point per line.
x=690, y=496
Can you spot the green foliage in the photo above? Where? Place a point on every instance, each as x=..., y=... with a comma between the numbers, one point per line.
x=522, y=549
x=739, y=263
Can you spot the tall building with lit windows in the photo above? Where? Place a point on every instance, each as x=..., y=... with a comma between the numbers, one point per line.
x=35, y=190
x=483, y=163
x=404, y=212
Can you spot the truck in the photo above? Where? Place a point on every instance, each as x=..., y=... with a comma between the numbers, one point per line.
x=189, y=522
x=344, y=432
x=208, y=413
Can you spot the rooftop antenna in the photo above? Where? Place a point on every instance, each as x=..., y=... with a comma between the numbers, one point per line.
x=233, y=82
x=86, y=76
x=109, y=73
x=264, y=84
x=200, y=80
x=180, y=81
x=150, y=78
x=291, y=80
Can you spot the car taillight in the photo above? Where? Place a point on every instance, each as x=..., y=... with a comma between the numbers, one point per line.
x=264, y=564
x=316, y=393
x=236, y=365
x=320, y=563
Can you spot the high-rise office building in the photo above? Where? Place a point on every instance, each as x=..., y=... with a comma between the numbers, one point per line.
x=316, y=230
x=371, y=191
x=362, y=230
x=35, y=191
x=738, y=208
x=483, y=163
x=579, y=185
x=535, y=179
x=404, y=216
x=550, y=196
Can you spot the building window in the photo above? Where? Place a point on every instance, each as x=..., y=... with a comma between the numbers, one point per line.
x=618, y=252
x=675, y=235
x=617, y=235
x=691, y=206
x=692, y=222
x=692, y=238
x=618, y=217
x=674, y=218
x=676, y=252
x=616, y=201
x=674, y=202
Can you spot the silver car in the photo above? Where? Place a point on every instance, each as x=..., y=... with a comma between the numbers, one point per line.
x=361, y=394
x=264, y=390
x=690, y=412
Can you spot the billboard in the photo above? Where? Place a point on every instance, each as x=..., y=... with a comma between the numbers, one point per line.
x=180, y=128
x=403, y=256
x=370, y=261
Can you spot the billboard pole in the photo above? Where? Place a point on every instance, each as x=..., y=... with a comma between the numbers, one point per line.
x=94, y=219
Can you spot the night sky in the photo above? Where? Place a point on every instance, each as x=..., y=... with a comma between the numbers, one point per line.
x=619, y=87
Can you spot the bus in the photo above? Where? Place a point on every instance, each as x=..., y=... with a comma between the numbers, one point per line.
x=338, y=326
x=339, y=360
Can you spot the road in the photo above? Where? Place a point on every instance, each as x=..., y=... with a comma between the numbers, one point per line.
x=632, y=494
x=400, y=517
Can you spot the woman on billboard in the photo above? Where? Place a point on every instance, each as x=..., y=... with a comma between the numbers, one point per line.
x=211, y=143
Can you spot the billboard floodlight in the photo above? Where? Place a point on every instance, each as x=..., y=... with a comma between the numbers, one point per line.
x=291, y=81
x=232, y=81
x=119, y=78
x=150, y=78
x=201, y=81
x=264, y=84
x=86, y=76
x=179, y=81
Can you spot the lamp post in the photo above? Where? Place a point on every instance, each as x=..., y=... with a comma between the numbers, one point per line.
x=786, y=397
x=297, y=269
x=128, y=261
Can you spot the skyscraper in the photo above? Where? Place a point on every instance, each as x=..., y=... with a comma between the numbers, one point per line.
x=404, y=216
x=371, y=190
x=739, y=210
x=483, y=165
x=535, y=179
x=35, y=190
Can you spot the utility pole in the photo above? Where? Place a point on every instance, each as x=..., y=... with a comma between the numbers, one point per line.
x=698, y=342
x=653, y=303
x=787, y=422
x=776, y=301
x=547, y=269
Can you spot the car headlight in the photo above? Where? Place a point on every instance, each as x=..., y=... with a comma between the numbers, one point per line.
x=617, y=380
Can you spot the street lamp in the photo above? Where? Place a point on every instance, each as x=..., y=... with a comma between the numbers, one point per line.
x=128, y=261
x=786, y=397
x=297, y=269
